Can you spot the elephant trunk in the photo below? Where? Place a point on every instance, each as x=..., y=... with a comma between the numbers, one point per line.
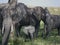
x=7, y=25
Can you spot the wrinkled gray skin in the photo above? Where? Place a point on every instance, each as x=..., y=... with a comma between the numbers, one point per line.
x=51, y=22
x=55, y=23
x=1, y=18
x=25, y=18
x=7, y=13
x=21, y=15
x=7, y=25
x=37, y=13
x=47, y=22
x=22, y=18
x=33, y=17
x=14, y=14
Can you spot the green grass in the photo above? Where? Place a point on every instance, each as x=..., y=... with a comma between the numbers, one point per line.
x=39, y=41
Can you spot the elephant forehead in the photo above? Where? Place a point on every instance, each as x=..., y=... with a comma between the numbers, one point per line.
x=7, y=21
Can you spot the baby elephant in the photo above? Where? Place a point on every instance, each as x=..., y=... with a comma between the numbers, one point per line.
x=29, y=31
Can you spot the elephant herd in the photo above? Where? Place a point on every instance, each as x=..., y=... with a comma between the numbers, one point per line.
x=14, y=16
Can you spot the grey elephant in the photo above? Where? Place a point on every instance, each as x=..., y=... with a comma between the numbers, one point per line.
x=56, y=22
x=37, y=13
x=46, y=18
x=33, y=17
x=7, y=25
x=11, y=18
x=29, y=31
x=51, y=22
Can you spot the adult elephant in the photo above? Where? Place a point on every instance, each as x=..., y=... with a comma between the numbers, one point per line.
x=12, y=16
x=37, y=13
x=26, y=17
x=56, y=22
x=7, y=25
x=33, y=17
x=47, y=22
x=1, y=19
x=51, y=22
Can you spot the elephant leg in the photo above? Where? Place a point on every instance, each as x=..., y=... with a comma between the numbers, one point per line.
x=31, y=34
x=37, y=30
x=59, y=31
x=44, y=31
x=48, y=29
x=18, y=28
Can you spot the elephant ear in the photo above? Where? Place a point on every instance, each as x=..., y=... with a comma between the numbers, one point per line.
x=47, y=12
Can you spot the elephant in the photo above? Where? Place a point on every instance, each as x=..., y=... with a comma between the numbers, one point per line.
x=47, y=23
x=56, y=22
x=22, y=13
x=6, y=20
x=11, y=18
x=33, y=17
x=1, y=19
x=7, y=25
x=29, y=31
x=51, y=22
x=37, y=13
